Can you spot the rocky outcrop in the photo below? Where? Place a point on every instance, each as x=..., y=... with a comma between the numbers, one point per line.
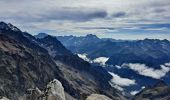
x=97, y=97
x=53, y=91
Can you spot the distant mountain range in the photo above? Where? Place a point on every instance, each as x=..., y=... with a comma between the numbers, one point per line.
x=148, y=51
x=139, y=63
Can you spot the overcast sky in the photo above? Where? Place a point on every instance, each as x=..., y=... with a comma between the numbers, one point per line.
x=120, y=19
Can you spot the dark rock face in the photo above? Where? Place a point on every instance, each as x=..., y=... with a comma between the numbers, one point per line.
x=160, y=91
x=22, y=67
x=54, y=47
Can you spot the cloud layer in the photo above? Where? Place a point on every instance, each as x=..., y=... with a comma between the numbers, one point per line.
x=106, y=18
x=84, y=57
x=142, y=69
x=100, y=60
x=121, y=81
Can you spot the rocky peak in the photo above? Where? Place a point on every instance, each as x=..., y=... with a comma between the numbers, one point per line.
x=8, y=27
x=55, y=90
x=91, y=36
x=53, y=46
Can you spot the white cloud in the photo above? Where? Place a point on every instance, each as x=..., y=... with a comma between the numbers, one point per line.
x=167, y=64
x=84, y=57
x=134, y=92
x=142, y=69
x=116, y=86
x=121, y=81
x=118, y=67
x=137, y=91
x=101, y=60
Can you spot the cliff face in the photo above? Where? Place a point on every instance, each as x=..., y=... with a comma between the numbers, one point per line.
x=22, y=67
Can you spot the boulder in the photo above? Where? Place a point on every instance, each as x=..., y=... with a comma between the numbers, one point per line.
x=97, y=97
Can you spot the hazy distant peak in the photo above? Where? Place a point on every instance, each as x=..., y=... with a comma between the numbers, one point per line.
x=41, y=35
x=50, y=38
x=91, y=36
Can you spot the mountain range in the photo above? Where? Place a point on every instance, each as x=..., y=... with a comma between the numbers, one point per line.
x=138, y=63
x=45, y=67
x=27, y=62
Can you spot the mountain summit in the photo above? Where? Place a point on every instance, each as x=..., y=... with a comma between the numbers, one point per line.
x=7, y=27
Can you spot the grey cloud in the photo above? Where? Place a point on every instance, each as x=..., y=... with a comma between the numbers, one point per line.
x=100, y=28
x=78, y=14
x=60, y=14
x=119, y=14
x=159, y=10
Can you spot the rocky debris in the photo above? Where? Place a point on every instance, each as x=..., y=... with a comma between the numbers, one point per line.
x=98, y=97
x=160, y=91
x=34, y=94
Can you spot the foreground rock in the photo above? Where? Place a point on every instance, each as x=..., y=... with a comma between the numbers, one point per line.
x=3, y=98
x=53, y=91
x=98, y=97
